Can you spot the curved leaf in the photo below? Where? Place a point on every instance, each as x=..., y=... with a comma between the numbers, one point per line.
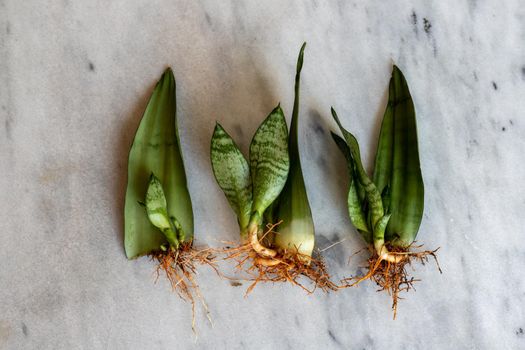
x=269, y=161
x=355, y=204
x=297, y=228
x=232, y=173
x=373, y=196
x=156, y=148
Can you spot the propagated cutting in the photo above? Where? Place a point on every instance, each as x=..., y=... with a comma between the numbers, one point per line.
x=387, y=209
x=268, y=195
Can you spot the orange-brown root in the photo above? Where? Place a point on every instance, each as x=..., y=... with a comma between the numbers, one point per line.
x=179, y=267
x=287, y=266
x=393, y=277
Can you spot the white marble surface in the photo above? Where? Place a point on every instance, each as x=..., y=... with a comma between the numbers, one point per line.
x=75, y=77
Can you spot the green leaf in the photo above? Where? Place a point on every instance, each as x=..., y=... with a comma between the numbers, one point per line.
x=157, y=210
x=406, y=182
x=379, y=232
x=232, y=173
x=297, y=228
x=156, y=148
x=355, y=204
x=373, y=196
x=385, y=150
x=269, y=161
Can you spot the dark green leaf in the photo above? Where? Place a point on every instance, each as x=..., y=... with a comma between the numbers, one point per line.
x=407, y=191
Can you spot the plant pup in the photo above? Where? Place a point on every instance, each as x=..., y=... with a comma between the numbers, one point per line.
x=268, y=195
x=387, y=209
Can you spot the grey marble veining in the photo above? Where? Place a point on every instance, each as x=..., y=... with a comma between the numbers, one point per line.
x=76, y=75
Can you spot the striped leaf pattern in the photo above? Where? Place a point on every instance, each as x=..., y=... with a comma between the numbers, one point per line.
x=269, y=161
x=232, y=173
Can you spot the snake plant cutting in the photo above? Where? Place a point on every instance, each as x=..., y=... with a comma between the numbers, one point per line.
x=387, y=209
x=158, y=212
x=268, y=195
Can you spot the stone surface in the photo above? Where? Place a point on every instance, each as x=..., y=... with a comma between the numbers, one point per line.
x=76, y=75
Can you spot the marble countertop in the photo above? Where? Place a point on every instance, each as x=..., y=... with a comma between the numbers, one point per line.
x=76, y=75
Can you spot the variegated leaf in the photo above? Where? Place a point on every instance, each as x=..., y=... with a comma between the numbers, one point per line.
x=232, y=173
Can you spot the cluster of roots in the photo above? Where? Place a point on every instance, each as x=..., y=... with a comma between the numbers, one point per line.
x=392, y=277
x=287, y=266
x=179, y=267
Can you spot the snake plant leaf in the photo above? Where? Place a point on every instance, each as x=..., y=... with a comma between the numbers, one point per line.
x=406, y=181
x=232, y=173
x=385, y=150
x=355, y=204
x=156, y=149
x=297, y=228
x=373, y=196
x=269, y=161
x=157, y=210
x=379, y=230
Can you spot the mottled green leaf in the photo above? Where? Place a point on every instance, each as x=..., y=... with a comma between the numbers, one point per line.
x=157, y=210
x=406, y=183
x=355, y=204
x=297, y=227
x=269, y=161
x=379, y=231
x=373, y=196
x=232, y=173
x=156, y=149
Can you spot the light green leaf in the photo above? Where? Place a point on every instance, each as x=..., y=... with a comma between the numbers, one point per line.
x=157, y=210
x=232, y=173
x=156, y=148
x=269, y=161
x=297, y=228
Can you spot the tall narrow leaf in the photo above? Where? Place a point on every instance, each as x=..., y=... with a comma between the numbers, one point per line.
x=400, y=161
x=232, y=173
x=156, y=149
x=269, y=161
x=297, y=227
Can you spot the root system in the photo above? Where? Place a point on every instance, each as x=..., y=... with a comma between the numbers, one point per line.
x=287, y=266
x=394, y=278
x=179, y=267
